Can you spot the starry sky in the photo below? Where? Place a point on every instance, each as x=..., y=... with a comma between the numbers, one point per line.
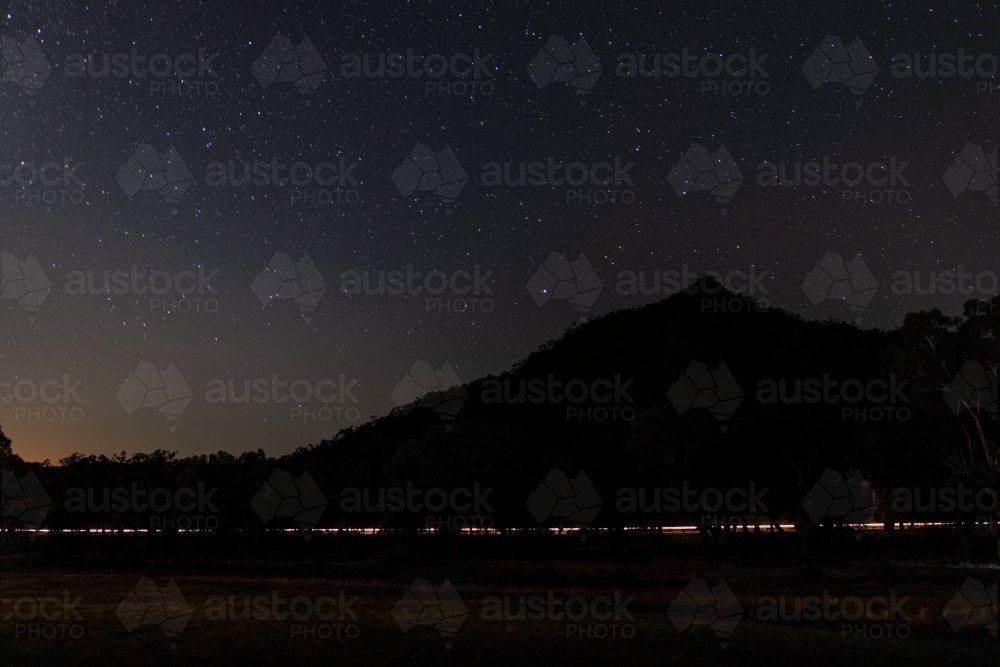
x=94, y=343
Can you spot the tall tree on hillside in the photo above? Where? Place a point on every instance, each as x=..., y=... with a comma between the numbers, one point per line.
x=953, y=363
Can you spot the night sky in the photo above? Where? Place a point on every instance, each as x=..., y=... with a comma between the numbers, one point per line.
x=373, y=340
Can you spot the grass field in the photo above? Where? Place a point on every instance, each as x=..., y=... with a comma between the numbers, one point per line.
x=643, y=635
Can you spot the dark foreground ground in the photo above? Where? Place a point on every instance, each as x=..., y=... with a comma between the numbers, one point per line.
x=922, y=575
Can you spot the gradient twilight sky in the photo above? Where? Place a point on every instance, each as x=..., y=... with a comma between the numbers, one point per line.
x=506, y=231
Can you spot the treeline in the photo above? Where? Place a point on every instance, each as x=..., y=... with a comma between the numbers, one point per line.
x=608, y=399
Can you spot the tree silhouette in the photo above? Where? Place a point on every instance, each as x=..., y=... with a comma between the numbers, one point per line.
x=952, y=424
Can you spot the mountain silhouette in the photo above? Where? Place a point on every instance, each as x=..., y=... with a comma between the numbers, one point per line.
x=624, y=425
